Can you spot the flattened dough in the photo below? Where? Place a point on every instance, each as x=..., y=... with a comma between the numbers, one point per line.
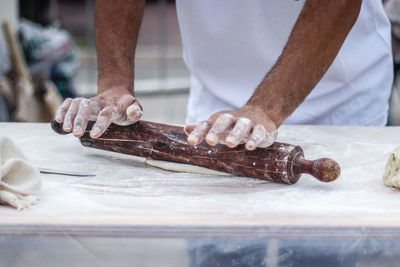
x=391, y=177
x=179, y=167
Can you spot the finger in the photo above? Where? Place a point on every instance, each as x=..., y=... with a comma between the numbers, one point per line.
x=239, y=133
x=189, y=128
x=134, y=112
x=62, y=110
x=220, y=128
x=105, y=118
x=260, y=138
x=82, y=118
x=198, y=133
x=71, y=114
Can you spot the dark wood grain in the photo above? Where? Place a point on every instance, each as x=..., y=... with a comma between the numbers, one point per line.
x=283, y=163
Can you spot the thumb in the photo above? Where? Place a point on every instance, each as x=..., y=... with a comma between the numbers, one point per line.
x=134, y=112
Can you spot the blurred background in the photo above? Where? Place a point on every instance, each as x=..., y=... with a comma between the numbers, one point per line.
x=56, y=41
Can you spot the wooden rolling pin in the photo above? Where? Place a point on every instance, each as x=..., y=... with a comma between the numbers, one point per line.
x=283, y=163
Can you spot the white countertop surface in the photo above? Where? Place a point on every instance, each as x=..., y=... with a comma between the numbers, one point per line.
x=125, y=192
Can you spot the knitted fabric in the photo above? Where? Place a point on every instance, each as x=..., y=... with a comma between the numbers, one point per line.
x=20, y=182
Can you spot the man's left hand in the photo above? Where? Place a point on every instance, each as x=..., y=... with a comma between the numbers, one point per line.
x=249, y=124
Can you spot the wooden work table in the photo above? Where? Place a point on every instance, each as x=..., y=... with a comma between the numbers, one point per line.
x=128, y=199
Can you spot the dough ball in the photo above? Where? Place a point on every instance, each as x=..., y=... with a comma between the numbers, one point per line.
x=391, y=177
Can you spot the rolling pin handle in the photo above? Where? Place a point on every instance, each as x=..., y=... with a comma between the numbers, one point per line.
x=325, y=170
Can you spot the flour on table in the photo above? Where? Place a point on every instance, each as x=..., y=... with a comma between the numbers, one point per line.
x=391, y=177
x=179, y=167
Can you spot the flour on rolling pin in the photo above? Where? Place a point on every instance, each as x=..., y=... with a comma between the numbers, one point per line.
x=283, y=163
x=391, y=177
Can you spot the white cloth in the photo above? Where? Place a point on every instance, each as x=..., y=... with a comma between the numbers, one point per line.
x=230, y=45
x=20, y=182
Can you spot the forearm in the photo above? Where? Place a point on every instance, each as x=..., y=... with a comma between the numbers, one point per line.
x=117, y=26
x=315, y=41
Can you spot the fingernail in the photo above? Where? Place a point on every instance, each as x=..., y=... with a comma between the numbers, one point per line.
x=212, y=138
x=231, y=140
x=78, y=130
x=139, y=112
x=95, y=132
x=58, y=117
x=67, y=125
x=192, y=139
x=134, y=112
x=250, y=145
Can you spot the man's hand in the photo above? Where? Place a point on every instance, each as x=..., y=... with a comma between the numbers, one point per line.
x=249, y=125
x=316, y=39
x=112, y=106
x=117, y=26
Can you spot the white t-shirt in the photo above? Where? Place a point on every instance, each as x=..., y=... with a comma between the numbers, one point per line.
x=229, y=46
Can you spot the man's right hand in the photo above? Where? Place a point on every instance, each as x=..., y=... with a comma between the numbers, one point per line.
x=114, y=102
x=112, y=106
